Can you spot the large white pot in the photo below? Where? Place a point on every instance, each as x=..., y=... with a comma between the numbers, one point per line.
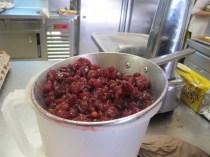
x=66, y=138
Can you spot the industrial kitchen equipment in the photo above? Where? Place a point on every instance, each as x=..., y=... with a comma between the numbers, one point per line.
x=22, y=38
x=62, y=31
x=166, y=37
x=22, y=30
x=61, y=36
x=114, y=16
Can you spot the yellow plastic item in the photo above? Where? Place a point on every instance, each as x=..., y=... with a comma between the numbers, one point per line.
x=195, y=88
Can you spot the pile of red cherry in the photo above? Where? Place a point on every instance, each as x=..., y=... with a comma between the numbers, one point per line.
x=83, y=91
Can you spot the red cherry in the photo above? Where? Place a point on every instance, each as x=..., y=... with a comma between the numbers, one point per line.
x=87, y=92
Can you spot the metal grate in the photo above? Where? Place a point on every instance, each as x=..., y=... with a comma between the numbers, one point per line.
x=58, y=44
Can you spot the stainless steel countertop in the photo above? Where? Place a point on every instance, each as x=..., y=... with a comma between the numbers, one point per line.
x=182, y=123
x=202, y=48
x=22, y=13
x=31, y=13
x=116, y=41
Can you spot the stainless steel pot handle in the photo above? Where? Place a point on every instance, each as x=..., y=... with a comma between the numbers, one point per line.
x=173, y=56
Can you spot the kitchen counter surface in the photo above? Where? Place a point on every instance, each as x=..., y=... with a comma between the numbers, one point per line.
x=121, y=42
x=202, y=48
x=182, y=122
x=31, y=13
x=22, y=13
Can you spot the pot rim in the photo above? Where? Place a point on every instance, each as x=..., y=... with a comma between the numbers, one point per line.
x=122, y=120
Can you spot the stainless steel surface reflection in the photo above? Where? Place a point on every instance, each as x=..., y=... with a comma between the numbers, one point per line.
x=167, y=30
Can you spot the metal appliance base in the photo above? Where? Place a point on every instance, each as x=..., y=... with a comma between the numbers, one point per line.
x=173, y=93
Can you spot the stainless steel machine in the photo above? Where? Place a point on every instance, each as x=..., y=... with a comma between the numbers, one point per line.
x=61, y=37
x=166, y=37
x=27, y=33
x=62, y=31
